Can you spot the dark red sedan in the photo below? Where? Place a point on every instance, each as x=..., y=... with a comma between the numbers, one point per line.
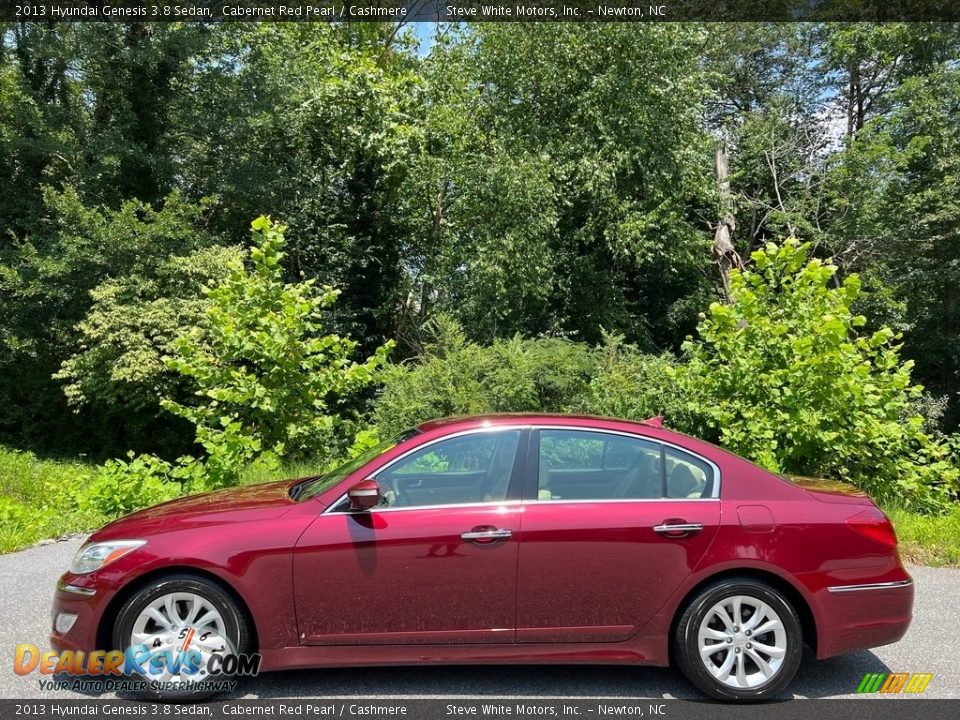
x=504, y=539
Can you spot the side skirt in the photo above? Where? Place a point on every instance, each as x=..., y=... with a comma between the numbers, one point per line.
x=649, y=650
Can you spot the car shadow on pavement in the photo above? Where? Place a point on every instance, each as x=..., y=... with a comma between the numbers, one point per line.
x=815, y=679
x=834, y=677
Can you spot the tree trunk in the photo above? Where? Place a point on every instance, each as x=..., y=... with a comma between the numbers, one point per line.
x=723, y=251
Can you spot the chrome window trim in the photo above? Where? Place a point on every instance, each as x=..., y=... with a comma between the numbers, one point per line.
x=489, y=503
x=418, y=448
x=714, y=494
x=614, y=501
x=870, y=586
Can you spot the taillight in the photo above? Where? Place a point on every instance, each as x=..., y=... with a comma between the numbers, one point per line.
x=873, y=524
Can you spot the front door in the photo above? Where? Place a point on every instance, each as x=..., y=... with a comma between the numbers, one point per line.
x=435, y=563
x=599, y=557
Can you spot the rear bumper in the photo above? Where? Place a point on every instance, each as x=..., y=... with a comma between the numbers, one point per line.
x=860, y=615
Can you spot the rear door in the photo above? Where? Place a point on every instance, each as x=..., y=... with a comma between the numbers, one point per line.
x=612, y=525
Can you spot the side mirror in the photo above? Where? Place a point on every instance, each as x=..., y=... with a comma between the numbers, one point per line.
x=364, y=495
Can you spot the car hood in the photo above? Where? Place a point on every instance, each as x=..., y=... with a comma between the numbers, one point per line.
x=232, y=505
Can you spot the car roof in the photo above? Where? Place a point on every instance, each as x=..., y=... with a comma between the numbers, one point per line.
x=470, y=421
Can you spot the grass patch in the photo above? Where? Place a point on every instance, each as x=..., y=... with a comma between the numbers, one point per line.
x=256, y=474
x=37, y=499
x=928, y=539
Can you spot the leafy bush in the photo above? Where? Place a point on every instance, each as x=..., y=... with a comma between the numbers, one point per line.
x=458, y=377
x=122, y=487
x=16, y=521
x=131, y=327
x=626, y=383
x=60, y=285
x=782, y=376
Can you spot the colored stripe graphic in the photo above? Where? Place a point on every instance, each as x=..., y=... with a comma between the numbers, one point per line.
x=894, y=682
x=918, y=683
x=871, y=682
x=187, y=640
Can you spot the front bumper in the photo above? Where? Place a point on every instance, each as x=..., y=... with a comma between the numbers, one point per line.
x=75, y=596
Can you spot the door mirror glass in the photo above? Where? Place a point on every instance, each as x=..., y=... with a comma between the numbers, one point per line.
x=364, y=495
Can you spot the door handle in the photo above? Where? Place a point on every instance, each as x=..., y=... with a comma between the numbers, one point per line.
x=677, y=529
x=486, y=535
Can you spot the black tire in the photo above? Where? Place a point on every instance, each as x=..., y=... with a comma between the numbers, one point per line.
x=686, y=641
x=237, y=629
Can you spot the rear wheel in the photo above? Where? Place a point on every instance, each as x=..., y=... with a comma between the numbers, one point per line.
x=739, y=639
x=183, y=621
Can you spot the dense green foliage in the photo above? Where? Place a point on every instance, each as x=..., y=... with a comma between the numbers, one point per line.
x=118, y=368
x=455, y=376
x=270, y=381
x=784, y=375
x=559, y=183
x=268, y=384
x=74, y=300
x=524, y=213
x=122, y=486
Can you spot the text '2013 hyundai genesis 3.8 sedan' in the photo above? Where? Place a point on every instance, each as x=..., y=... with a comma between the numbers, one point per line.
x=504, y=539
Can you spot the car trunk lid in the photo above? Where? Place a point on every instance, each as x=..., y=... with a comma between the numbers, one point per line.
x=827, y=490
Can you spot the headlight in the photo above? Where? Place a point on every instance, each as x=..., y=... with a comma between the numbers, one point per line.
x=95, y=555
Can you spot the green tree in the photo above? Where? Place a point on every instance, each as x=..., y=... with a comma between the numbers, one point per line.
x=134, y=76
x=895, y=200
x=46, y=281
x=118, y=370
x=870, y=60
x=783, y=376
x=312, y=123
x=269, y=382
x=41, y=120
x=561, y=182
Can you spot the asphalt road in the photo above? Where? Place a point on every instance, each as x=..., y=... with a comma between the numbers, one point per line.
x=27, y=580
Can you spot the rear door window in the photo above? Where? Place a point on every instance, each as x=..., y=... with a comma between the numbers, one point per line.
x=593, y=465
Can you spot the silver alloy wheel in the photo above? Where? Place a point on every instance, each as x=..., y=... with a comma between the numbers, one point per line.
x=742, y=642
x=179, y=622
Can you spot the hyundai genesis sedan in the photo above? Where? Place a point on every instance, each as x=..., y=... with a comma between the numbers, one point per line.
x=503, y=539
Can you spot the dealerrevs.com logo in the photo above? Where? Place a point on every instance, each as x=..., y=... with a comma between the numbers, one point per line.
x=139, y=668
x=894, y=683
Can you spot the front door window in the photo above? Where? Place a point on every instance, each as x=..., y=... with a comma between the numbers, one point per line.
x=472, y=468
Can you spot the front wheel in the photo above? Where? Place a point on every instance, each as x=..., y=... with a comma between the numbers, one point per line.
x=740, y=640
x=178, y=624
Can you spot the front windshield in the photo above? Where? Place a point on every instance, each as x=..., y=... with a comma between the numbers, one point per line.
x=315, y=486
